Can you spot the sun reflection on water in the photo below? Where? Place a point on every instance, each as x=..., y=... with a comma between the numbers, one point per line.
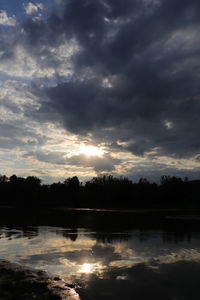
x=86, y=268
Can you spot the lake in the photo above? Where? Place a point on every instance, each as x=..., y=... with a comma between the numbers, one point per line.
x=108, y=255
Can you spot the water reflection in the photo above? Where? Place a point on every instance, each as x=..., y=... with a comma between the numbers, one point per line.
x=86, y=268
x=131, y=264
x=72, y=234
x=18, y=232
x=92, y=268
x=159, y=281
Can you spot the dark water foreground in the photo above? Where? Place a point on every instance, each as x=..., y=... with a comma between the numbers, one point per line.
x=178, y=280
x=19, y=282
x=102, y=254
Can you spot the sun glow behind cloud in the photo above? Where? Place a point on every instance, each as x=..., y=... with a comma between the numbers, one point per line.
x=91, y=151
x=64, y=92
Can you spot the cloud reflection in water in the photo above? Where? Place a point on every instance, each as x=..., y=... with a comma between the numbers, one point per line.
x=110, y=268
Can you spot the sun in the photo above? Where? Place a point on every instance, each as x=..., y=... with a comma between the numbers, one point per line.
x=91, y=150
x=86, y=268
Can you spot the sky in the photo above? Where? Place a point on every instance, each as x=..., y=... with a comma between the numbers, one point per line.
x=97, y=87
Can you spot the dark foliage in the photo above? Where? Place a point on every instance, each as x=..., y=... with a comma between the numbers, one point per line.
x=100, y=192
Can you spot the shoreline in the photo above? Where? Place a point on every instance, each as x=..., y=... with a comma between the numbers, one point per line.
x=19, y=282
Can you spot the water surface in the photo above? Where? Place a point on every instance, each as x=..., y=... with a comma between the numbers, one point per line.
x=136, y=262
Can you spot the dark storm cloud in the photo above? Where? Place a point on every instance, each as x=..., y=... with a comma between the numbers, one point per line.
x=148, y=52
x=135, y=77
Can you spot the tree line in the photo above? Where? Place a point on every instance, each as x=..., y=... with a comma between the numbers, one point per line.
x=100, y=192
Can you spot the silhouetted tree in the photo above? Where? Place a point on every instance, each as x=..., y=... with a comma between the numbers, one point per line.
x=166, y=180
x=32, y=180
x=3, y=178
x=104, y=191
x=72, y=182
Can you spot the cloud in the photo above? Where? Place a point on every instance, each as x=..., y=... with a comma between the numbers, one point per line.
x=43, y=62
x=31, y=8
x=122, y=75
x=100, y=164
x=152, y=75
x=6, y=20
x=48, y=157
